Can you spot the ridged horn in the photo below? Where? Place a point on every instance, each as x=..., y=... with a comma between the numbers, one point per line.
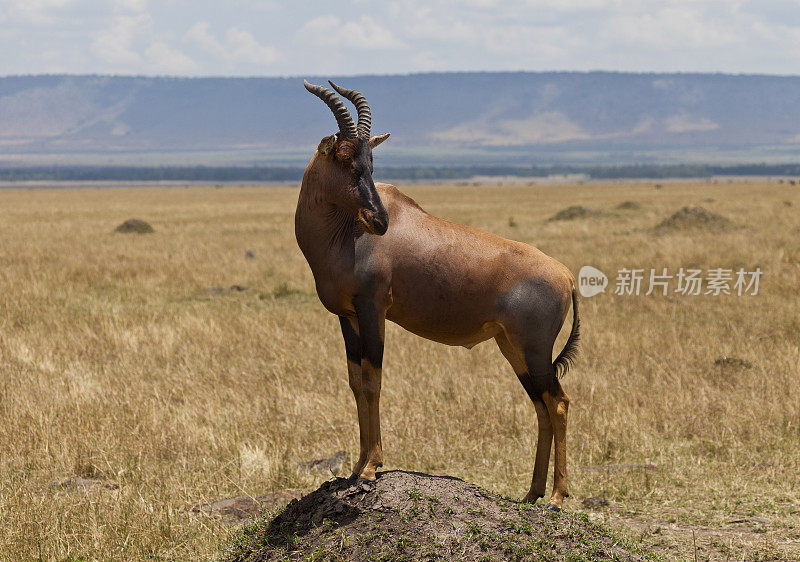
x=364, y=113
x=346, y=126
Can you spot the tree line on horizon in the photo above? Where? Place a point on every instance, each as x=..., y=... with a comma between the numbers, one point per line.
x=225, y=174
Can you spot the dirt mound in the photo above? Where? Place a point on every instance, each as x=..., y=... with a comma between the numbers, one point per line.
x=629, y=206
x=413, y=516
x=694, y=216
x=574, y=212
x=136, y=226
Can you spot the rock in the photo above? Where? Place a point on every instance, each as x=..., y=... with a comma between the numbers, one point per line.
x=595, y=502
x=333, y=464
x=726, y=361
x=233, y=510
x=620, y=467
x=135, y=226
x=574, y=212
x=757, y=520
x=76, y=483
x=414, y=516
x=225, y=290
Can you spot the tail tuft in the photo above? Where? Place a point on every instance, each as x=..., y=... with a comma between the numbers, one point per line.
x=568, y=355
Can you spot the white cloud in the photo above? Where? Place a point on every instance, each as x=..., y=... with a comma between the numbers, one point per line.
x=116, y=44
x=131, y=42
x=516, y=28
x=244, y=47
x=33, y=12
x=426, y=60
x=364, y=33
x=166, y=59
x=247, y=36
x=199, y=35
x=240, y=46
x=132, y=5
x=539, y=42
x=684, y=26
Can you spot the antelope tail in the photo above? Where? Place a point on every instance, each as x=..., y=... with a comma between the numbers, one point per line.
x=567, y=356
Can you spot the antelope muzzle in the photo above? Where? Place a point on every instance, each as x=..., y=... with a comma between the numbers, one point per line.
x=374, y=222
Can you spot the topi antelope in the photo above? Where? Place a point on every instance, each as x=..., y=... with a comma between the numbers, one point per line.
x=376, y=255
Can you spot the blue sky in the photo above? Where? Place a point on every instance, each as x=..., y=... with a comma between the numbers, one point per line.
x=265, y=38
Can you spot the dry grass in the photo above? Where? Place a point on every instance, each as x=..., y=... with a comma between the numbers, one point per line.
x=119, y=363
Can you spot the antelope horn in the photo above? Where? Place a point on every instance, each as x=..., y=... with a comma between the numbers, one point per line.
x=364, y=113
x=343, y=119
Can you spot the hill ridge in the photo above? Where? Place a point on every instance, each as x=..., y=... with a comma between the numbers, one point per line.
x=533, y=116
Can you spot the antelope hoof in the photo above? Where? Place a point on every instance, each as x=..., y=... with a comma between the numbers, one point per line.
x=531, y=498
x=368, y=470
x=553, y=508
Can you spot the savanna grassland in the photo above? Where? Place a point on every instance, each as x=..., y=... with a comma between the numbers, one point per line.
x=122, y=361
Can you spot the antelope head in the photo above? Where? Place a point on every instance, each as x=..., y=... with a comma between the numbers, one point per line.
x=350, y=151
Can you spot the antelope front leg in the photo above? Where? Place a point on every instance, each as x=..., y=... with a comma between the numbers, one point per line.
x=371, y=323
x=352, y=345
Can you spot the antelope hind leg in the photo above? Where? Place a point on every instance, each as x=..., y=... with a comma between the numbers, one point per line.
x=544, y=444
x=515, y=356
x=557, y=405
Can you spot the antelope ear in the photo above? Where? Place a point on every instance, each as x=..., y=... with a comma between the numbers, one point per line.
x=378, y=139
x=326, y=144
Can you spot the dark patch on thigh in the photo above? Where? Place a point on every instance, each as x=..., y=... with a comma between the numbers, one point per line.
x=536, y=307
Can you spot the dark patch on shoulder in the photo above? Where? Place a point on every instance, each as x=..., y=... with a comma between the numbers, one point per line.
x=352, y=343
x=374, y=353
x=368, y=299
x=368, y=321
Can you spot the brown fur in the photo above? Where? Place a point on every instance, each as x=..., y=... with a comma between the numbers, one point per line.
x=443, y=281
x=345, y=151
